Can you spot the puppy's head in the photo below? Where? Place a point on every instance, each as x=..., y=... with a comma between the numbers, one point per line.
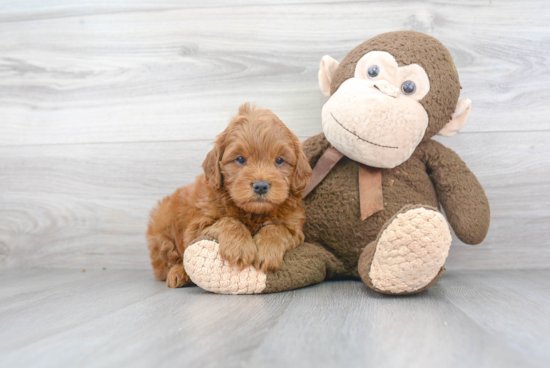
x=258, y=160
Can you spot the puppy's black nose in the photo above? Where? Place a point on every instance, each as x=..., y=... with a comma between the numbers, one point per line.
x=260, y=187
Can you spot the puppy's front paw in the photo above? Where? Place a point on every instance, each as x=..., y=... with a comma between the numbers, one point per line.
x=270, y=255
x=268, y=259
x=177, y=277
x=238, y=251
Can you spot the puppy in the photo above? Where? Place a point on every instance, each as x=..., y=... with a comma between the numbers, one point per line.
x=249, y=199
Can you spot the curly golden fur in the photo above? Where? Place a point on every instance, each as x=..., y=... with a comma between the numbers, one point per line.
x=252, y=228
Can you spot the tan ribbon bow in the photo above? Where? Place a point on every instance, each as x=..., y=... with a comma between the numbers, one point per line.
x=370, y=182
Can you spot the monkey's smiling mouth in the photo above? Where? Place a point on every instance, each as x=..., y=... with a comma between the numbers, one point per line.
x=364, y=140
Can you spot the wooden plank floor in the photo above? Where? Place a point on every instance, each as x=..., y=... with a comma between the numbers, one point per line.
x=122, y=318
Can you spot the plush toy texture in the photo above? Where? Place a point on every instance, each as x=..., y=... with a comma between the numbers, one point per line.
x=402, y=248
x=215, y=274
x=408, y=48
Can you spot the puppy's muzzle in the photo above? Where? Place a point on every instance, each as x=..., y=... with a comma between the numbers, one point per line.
x=260, y=187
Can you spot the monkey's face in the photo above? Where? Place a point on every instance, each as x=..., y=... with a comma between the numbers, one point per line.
x=375, y=117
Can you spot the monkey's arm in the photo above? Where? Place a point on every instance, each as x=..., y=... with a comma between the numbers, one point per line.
x=314, y=147
x=459, y=191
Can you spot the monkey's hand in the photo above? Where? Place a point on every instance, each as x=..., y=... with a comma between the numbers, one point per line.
x=459, y=191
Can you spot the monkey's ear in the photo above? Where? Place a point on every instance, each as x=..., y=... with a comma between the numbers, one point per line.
x=326, y=72
x=458, y=119
x=211, y=164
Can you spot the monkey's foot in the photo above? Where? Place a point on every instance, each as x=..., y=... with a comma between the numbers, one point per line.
x=206, y=268
x=409, y=253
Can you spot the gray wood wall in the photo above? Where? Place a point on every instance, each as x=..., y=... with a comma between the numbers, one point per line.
x=106, y=107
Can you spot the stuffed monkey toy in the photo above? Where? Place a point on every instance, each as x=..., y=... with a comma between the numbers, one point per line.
x=373, y=203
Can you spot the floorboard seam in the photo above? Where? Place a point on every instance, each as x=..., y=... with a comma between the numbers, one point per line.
x=491, y=333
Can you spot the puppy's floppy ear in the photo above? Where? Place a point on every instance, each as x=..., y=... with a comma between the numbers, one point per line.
x=211, y=164
x=302, y=170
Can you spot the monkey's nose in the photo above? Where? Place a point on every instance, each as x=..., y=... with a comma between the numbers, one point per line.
x=260, y=187
x=386, y=88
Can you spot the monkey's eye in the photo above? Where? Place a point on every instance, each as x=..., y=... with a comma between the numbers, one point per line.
x=374, y=71
x=279, y=161
x=408, y=87
x=241, y=160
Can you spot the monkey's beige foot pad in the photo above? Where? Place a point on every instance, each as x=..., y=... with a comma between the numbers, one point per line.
x=206, y=268
x=410, y=251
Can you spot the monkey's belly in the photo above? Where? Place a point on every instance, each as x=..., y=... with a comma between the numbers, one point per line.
x=333, y=215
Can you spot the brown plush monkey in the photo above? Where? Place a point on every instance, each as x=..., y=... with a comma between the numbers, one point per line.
x=373, y=203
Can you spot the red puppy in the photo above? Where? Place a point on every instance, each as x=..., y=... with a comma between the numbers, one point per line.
x=249, y=199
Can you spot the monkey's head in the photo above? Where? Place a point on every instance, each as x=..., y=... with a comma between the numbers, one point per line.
x=389, y=94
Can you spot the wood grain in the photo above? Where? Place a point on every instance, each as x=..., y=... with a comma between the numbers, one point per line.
x=13, y=11
x=107, y=107
x=513, y=306
x=87, y=205
x=150, y=75
x=125, y=318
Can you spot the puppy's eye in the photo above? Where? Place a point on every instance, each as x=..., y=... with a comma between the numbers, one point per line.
x=374, y=71
x=408, y=87
x=279, y=161
x=241, y=160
